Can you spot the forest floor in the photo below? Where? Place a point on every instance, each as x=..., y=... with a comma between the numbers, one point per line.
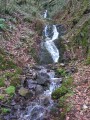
x=80, y=101
x=21, y=38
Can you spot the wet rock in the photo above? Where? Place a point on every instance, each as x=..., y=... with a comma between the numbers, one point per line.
x=61, y=29
x=25, y=70
x=31, y=84
x=37, y=67
x=43, y=118
x=29, y=76
x=44, y=55
x=39, y=89
x=23, y=91
x=45, y=101
x=13, y=103
x=37, y=112
x=16, y=107
x=58, y=81
x=43, y=79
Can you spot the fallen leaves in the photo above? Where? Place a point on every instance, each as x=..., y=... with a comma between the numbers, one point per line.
x=81, y=98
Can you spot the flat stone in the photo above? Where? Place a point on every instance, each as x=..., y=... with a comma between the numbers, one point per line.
x=23, y=91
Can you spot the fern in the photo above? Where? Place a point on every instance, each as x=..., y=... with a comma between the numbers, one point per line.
x=2, y=24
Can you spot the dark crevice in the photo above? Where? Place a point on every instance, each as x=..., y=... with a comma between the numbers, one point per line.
x=86, y=11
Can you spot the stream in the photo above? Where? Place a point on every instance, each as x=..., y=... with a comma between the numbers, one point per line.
x=40, y=81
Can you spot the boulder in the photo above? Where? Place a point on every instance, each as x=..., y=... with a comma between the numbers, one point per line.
x=31, y=84
x=23, y=91
x=45, y=101
x=43, y=79
x=39, y=89
x=26, y=93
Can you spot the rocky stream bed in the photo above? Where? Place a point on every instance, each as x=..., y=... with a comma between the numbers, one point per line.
x=32, y=100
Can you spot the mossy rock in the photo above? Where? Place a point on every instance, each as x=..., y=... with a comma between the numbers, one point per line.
x=59, y=92
x=64, y=89
x=10, y=90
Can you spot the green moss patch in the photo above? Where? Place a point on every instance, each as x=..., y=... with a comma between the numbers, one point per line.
x=61, y=72
x=5, y=110
x=10, y=90
x=2, y=81
x=64, y=89
x=62, y=93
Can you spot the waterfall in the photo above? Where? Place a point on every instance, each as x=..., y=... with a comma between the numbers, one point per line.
x=45, y=14
x=49, y=42
x=49, y=52
x=42, y=81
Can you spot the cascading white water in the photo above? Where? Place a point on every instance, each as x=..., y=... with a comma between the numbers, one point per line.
x=55, y=33
x=50, y=45
x=45, y=14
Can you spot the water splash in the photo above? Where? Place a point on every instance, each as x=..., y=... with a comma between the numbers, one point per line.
x=45, y=14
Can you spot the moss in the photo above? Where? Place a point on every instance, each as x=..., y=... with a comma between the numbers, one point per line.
x=2, y=80
x=5, y=63
x=82, y=39
x=5, y=110
x=10, y=90
x=15, y=81
x=39, y=26
x=59, y=92
x=65, y=88
x=2, y=96
x=68, y=81
x=87, y=61
x=62, y=94
x=61, y=71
